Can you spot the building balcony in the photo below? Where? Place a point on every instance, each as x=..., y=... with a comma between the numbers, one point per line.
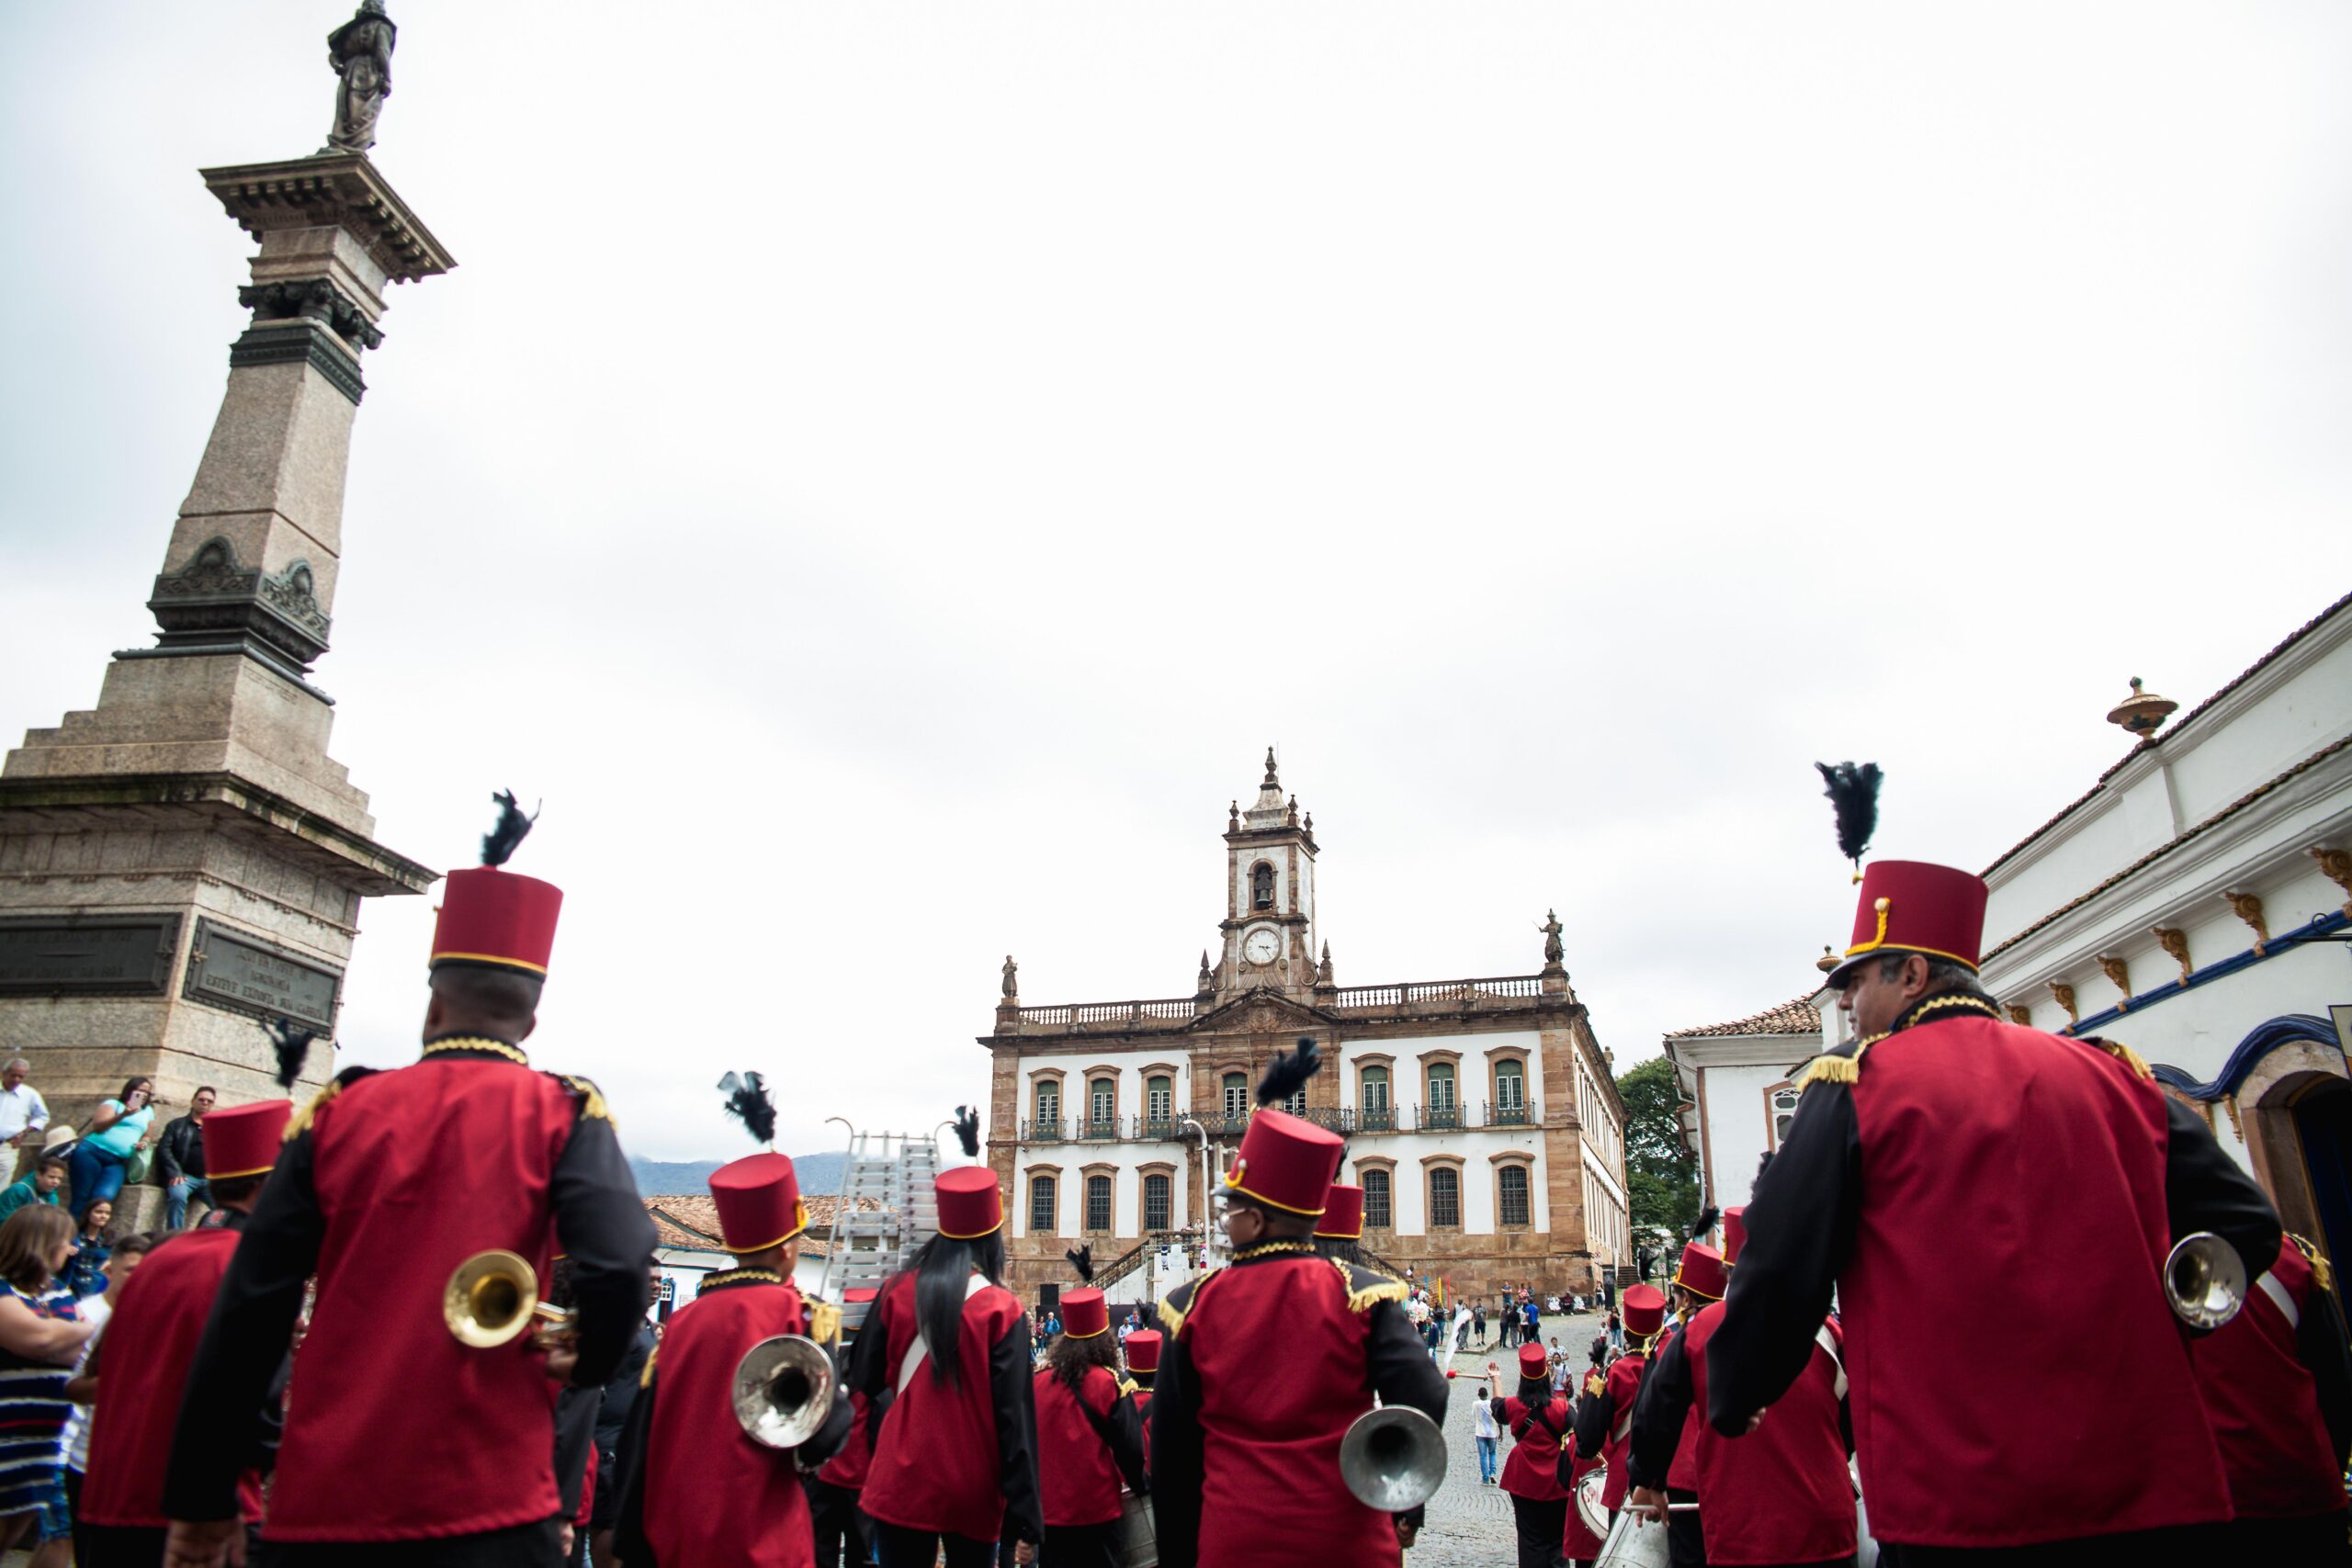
x=1347, y=1122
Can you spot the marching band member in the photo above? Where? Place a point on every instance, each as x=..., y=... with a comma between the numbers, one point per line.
x=1245, y=1466
x=696, y=1488
x=835, y=1490
x=1698, y=1284
x=155, y=1328
x=1605, y=1420
x=1538, y=1420
x=1142, y=1350
x=1089, y=1438
x=1948, y=1152
x=1781, y=1496
x=389, y=1182
x=1339, y=1233
x=2278, y=1387
x=944, y=1359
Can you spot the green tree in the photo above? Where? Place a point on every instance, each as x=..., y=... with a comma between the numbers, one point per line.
x=1661, y=1176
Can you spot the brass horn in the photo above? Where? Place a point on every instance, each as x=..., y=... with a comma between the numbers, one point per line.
x=1393, y=1458
x=784, y=1391
x=492, y=1298
x=2204, y=1280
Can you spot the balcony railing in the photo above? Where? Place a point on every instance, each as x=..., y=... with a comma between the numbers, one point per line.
x=1511, y=1114
x=1345, y=1122
x=1438, y=994
x=1105, y=1127
x=1439, y=1118
x=1044, y=1130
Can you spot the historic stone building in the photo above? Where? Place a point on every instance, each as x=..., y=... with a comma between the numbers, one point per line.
x=1480, y=1115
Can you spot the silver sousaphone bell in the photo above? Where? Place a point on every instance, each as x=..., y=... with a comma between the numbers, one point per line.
x=784, y=1391
x=1393, y=1458
x=2204, y=1280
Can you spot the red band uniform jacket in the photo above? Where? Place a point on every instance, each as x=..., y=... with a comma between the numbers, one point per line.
x=1605, y=1423
x=1080, y=1464
x=1537, y=1431
x=960, y=1459
x=385, y=1185
x=694, y=1487
x=2279, y=1394
x=2067, y=1172
x=1782, y=1493
x=1267, y=1363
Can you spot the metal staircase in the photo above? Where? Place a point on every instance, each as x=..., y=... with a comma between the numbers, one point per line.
x=896, y=1170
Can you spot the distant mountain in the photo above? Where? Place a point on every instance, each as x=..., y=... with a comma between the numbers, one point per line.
x=820, y=1174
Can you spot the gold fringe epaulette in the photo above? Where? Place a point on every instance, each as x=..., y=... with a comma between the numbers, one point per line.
x=1362, y=1298
x=1127, y=1386
x=1172, y=1316
x=2323, y=1272
x=1830, y=1067
x=591, y=1099
x=2125, y=1054
x=645, y=1377
x=824, y=1322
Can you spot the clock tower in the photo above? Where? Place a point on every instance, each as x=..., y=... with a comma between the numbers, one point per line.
x=1269, y=921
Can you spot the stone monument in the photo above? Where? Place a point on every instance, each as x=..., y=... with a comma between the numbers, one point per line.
x=185, y=861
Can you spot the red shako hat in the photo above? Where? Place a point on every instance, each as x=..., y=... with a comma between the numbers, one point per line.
x=1533, y=1362
x=1143, y=1350
x=1913, y=906
x=243, y=1140
x=1735, y=1234
x=490, y=917
x=1084, y=1313
x=1644, y=1310
x=759, y=1202
x=969, y=1205
x=1286, y=1163
x=1701, y=1273
x=1342, y=1213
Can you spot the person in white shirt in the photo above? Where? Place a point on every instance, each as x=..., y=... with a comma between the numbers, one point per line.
x=23, y=1113
x=1488, y=1432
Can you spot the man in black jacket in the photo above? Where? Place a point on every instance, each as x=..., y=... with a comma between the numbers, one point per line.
x=180, y=1159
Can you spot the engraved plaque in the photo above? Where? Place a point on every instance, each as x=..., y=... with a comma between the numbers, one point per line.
x=229, y=969
x=98, y=955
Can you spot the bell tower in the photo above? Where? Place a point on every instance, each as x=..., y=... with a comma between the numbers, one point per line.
x=1269, y=923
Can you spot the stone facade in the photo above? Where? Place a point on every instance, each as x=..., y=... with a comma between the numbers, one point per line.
x=1485, y=1108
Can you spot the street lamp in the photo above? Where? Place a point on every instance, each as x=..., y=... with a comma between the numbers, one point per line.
x=1208, y=1224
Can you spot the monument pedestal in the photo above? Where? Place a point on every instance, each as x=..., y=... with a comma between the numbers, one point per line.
x=185, y=860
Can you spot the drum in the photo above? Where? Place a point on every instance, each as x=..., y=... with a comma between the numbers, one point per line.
x=1587, y=1502
x=1138, y=1547
x=1634, y=1542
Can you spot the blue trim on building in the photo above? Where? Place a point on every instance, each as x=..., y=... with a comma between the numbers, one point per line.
x=2266, y=1037
x=2320, y=925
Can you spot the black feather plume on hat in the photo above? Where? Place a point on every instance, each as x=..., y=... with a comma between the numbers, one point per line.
x=293, y=1042
x=967, y=1131
x=1082, y=1260
x=748, y=1101
x=511, y=828
x=1288, y=1074
x=1706, y=1221
x=1854, y=792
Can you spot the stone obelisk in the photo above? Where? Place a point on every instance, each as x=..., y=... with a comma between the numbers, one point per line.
x=185, y=860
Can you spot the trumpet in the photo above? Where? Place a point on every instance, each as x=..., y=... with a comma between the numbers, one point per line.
x=492, y=1298
x=1393, y=1458
x=784, y=1391
x=2204, y=1280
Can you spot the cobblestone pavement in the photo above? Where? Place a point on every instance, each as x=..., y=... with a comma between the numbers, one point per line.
x=1469, y=1525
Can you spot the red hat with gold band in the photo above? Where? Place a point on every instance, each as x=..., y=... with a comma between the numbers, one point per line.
x=491, y=918
x=243, y=1140
x=969, y=1205
x=1913, y=906
x=1533, y=1362
x=1286, y=1163
x=1342, y=1213
x=1143, y=1350
x=1644, y=1310
x=1702, y=1271
x=759, y=1204
x=1085, y=1314
x=1735, y=1234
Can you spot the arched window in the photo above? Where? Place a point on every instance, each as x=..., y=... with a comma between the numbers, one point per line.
x=1373, y=1089
x=1098, y=1202
x=1376, y=1209
x=1442, y=1109
x=1159, y=1100
x=1510, y=1194
x=1041, y=1203
x=1236, y=1094
x=1446, y=1197
x=1510, y=1092
x=1156, y=1190
x=1262, y=886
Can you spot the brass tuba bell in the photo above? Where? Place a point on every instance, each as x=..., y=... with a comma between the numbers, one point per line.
x=492, y=1298
x=2204, y=1280
x=1393, y=1458
x=784, y=1391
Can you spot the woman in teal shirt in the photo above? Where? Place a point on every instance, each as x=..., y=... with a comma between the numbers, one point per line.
x=118, y=1129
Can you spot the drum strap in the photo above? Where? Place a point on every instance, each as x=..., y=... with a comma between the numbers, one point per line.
x=1828, y=1342
x=920, y=1351
x=1623, y=1429
x=1536, y=1417
x=2281, y=1298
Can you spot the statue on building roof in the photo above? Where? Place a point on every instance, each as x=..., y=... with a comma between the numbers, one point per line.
x=1011, y=981
x=361, y=53
x=1551, y=927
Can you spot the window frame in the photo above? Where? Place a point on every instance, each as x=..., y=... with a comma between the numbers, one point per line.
x=1108, y=1176
x=1385, y=1169
x=1433, y=1166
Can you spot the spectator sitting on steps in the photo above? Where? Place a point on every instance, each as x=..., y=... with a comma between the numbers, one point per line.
x=40, y=1187
x=180, y=1159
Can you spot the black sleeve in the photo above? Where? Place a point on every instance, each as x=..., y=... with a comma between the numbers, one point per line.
x=1176, y=1456
x=1126, y=1444
x=620, y=1391
x=167, y=1165
x=629, y=1465
x=1658, y=1414
x=1495, y=1408
x=576, y=1444
x=828, y=1439
x=2320, y=1344
x=609, y=1238
x=1801, y=1223
x=2205, y=1189
x=1402, y=1372
x=245, y=1340
x=1016, y=1433
x=869, y=1374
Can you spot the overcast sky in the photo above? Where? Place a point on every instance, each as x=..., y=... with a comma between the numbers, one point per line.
x=882, y=474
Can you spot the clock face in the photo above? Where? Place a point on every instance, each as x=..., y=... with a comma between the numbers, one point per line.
x=1262, y=946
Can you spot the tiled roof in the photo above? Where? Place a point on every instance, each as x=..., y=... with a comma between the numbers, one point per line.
x=1799, y=1017
x=690, y=1219
x=2176, y=727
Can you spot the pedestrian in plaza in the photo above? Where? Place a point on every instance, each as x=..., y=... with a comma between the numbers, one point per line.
x=1478, y=1322
x=179, y=1158
x=1090, y=1439
x=1507, y=1313
x=1538, y=1420
x=1947, y=1148
x=40, y=1187
x=1532, y=1323
x=118, y=1130
x=1487, y=1431
x=42, y=1334
x=23, y=1113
